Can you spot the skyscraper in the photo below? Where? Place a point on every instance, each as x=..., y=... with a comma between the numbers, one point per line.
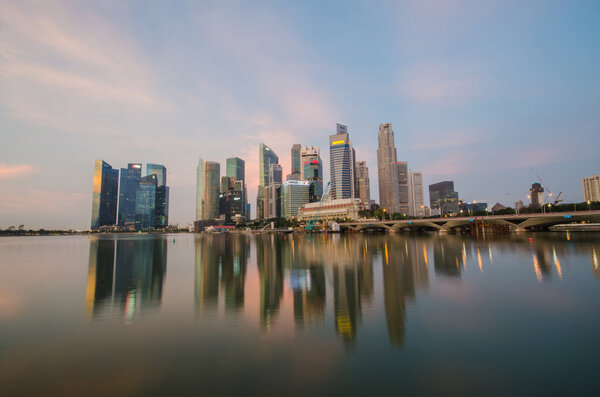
x=212, y=175
x=130, y=180
x=145, y=202
x=591, y=188
x=387, y=169
x=402, y=169
x=443, y=198
x=200, y=190
x=162, y=194
x=275, y=174
x=362, y=180
x=236, y=168
x=536, y=194
x=416, y=203
x=295, y=195
x=266, y=157
x=341, y=156
x=105, y=194
x=311, y=170
x=296, y=160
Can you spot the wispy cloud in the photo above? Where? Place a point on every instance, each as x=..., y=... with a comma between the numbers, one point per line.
x=438, y=84
x=16, y=170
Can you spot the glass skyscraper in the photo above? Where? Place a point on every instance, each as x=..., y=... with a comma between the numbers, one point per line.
x=200, y=190
x=162, y=194
x=442, y=197
x=105, y=194
x=236, y=168
x=145, y=203
x=128, y=185
x=296, y=159
x=212, y=187
x=312, y=170
x=266, y=157
x=160, y=171
x=341, y=157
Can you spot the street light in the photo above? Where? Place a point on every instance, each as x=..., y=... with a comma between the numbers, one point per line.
x=589, y=207
x=550, y=207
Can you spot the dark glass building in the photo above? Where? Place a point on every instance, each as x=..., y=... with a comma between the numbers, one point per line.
x=145, y=203
x=442, y=197
x=236, y=168
x=160, y=171
x=128, y=185
x=161, y=216
x=105, y=194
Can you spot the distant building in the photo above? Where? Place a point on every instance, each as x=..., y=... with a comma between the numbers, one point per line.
x=591, y=188
x=518, y=205
x=236, y=168
x=266, y=157
x=362, y=181
x=387, y=169
x=443, y=199
x=200, y=190
x=105, y=195
x=212, y=175
x=128, y=184
x=332, y=209
x=497, y=207
x=294, y=196
x=231, y=204
x=341, y=155
x=536, y=194
x=311, y=170
x=275, y=173
x=471, y=208
x=273, y=201
x=403, y=195
x=145, y=203
x=296, y=159
x=416, y=200
x=162, y=194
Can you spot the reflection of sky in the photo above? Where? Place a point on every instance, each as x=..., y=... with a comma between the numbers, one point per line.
x=475, y=91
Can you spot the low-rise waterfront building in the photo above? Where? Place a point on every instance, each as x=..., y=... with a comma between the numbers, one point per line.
x=332, y=209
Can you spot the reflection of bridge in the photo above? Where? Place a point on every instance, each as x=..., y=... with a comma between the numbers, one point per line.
x=514, y=222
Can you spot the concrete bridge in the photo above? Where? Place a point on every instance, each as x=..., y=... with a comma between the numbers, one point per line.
x=514, y=222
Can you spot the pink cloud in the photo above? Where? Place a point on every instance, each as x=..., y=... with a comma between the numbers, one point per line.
x=13, y=171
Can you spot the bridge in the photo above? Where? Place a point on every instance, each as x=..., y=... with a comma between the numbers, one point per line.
x=513, y=222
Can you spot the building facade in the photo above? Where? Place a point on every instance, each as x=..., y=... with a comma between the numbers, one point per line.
x=311, y=170
x=536, y=195
x=362, y=181
x=104, y=195
x=294, y=196
x=387, y=169
x=128, y=184
x=200, y=190
x=145, y=203
x=162, y=194
x=341, y=155
x=591, y=188
x=403, y=195
x=443, y=199
x=416, y=200
x=212, y=176
x=236, y=168
x=295, y=166
x=332, y=209
x=273, y=201
x=266, y=157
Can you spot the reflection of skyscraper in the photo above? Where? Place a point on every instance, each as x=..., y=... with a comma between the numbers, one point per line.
x=130, y=181
x=206, y=274
x=105, y=194
x=447, y=256
x=308, y=284
x=140, y=269
x=346, y=302
x=100, y=275
x=270, y=270
x=233, y=271
x=138, y=274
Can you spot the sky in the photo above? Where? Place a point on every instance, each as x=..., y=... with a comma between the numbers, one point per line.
x=483, y=93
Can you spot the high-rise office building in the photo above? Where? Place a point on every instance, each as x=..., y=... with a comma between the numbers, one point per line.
x=128, y=184
x=266, y=157
x=341, y=155
x=296, y=160
x=162, y=194
x=273, y=201
x=295, y=195
x=105, y=195
x=231, y=205
x=362, y=180
x=416, y=201
x=160, y=171
x=591, y=188
x=402, y=168
x=200, y=190
x=443, y=198
x=236, y=168
x=275, y=173
x=387, y=169
x=536, y=194
x=311, y=170
x=212, y=175
x=145, y=202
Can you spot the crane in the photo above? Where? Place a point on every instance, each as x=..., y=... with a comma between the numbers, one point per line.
x=557, y=199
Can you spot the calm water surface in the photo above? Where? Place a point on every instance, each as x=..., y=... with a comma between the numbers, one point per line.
x=297, y=315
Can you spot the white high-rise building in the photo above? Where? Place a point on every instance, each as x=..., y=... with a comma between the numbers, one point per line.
x=416, y=200
x=591, y=188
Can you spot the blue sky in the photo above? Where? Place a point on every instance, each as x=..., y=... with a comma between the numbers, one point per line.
x=478, y=92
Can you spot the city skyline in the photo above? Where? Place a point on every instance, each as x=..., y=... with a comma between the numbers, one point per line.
x=484, y=95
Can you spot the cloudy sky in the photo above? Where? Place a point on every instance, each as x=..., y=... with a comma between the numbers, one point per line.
x=479, y=92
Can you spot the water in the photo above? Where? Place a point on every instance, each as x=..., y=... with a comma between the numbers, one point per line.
x=297, y=315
